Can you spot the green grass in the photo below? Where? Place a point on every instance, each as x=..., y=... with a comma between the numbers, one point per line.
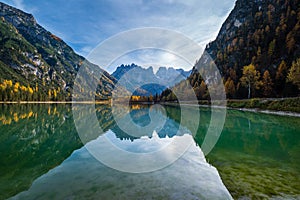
x=289, y=104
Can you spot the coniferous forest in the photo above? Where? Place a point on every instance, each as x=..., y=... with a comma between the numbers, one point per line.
x=257, y=51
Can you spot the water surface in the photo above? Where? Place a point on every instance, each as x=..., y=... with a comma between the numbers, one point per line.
x=52, y=163
x=42, y=156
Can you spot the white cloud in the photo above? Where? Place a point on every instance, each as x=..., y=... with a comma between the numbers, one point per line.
x=19, y=4
x=151, y=57
x=84, y=24
x=22, y=5
x=147, y=45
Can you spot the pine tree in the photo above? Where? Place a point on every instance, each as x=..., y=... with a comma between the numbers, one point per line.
x=280, y=78
x=49, y=94
x=294, y=73
x=281, y=71
x=230, y=88
x=290, y=42
x=271, y=48
x=54, y=95
x=267, y=84
x=203, y=90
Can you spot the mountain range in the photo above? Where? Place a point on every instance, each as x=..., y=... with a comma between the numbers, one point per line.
x=257, y=52
x=144, y=82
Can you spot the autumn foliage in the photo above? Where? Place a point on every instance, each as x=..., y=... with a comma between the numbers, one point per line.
x=10, y=91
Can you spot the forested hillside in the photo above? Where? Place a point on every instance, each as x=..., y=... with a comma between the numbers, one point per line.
x=37, y=65
x=257, y=51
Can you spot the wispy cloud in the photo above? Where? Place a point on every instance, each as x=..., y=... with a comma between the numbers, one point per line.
x=158, y=46
x=151, y=57
x=84, y=24
x=19, y=4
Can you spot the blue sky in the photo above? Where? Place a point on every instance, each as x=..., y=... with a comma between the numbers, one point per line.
x=83, y=24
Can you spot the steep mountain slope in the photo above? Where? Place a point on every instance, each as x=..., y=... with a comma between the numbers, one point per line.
x=264, y=33
x=39, y=60
x=134, y=76
x=167, y=74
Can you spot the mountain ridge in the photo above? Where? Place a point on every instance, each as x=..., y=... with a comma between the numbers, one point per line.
x=133, y=76
x=37, y=58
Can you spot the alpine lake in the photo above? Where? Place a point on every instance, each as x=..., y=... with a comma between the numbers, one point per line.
x=257, y=156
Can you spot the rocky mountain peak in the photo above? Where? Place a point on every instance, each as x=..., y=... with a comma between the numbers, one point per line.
x=9, y=12
x=136, y=75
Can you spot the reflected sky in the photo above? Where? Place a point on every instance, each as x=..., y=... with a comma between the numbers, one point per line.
x=42, y=152
x=82, y=176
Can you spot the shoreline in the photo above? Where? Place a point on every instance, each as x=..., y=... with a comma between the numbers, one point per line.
x=185, y=103
x=56, y=102
x=270, y=112
x=254, y=110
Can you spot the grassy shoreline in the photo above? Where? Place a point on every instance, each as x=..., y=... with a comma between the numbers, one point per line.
x=274, y=105
x=56, y=102
x=278, y=105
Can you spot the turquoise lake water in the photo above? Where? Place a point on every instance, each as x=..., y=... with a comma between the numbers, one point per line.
x=43, y=157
